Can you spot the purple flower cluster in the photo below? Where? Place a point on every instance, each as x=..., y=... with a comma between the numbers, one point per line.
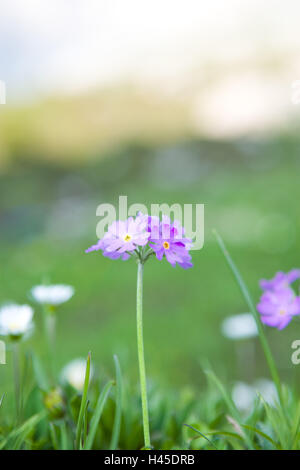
x=279, y=303
x=167, y=239
x=143, y=236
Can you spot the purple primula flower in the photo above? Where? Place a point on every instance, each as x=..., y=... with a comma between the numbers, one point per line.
x=123, y=237
x=144, y=236
x=167, y=239
x=278, y=307
x=281, y=280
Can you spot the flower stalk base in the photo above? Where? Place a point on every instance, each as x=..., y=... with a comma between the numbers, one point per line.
x=141, y=358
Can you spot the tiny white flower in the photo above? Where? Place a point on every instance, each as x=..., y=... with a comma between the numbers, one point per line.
x=243, y=396
x=15, y=320
x=74, y=373
x=267, y=390
x=239, y=326
x=52, y=295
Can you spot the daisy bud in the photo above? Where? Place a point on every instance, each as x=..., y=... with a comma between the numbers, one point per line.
x=55, y=403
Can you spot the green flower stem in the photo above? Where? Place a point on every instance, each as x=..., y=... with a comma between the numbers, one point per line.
x=83, y=405
x=17, y=379
x=50, y=332
x=140, y=345
x=251, y=306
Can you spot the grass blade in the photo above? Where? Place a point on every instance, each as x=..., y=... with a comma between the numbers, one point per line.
x=249, y=301
x=262, y=434
x=230, y=404
x=227, y=398
x=97, y=415
x=39, y=373
x=295, y=428
x=235, y=435
x=22, y=431
x=53, y=436
x=63, y=436
x=201, y=435
x=119, y=397
x=275, y=417
x=85, y=423
x=83, y=402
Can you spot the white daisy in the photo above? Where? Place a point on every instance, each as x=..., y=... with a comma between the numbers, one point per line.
x=52, y=295
x=239, y=326
x=15, y=320
x=74, y=373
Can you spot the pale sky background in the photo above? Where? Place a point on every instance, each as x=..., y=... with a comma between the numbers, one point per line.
x=72, y=44
x=68, y=46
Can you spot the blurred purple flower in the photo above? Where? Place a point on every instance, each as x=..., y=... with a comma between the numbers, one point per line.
x=281, y=280
x=278, y=307
x=168, y=239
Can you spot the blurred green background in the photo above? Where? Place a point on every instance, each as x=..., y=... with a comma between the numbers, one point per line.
x=64, y=154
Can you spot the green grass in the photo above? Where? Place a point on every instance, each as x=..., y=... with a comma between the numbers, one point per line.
x=179, y=419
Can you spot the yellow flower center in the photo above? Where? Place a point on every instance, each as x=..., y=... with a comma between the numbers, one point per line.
x=127, y=238
x=166, y=245
x=282, y=311
x=13, y=326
